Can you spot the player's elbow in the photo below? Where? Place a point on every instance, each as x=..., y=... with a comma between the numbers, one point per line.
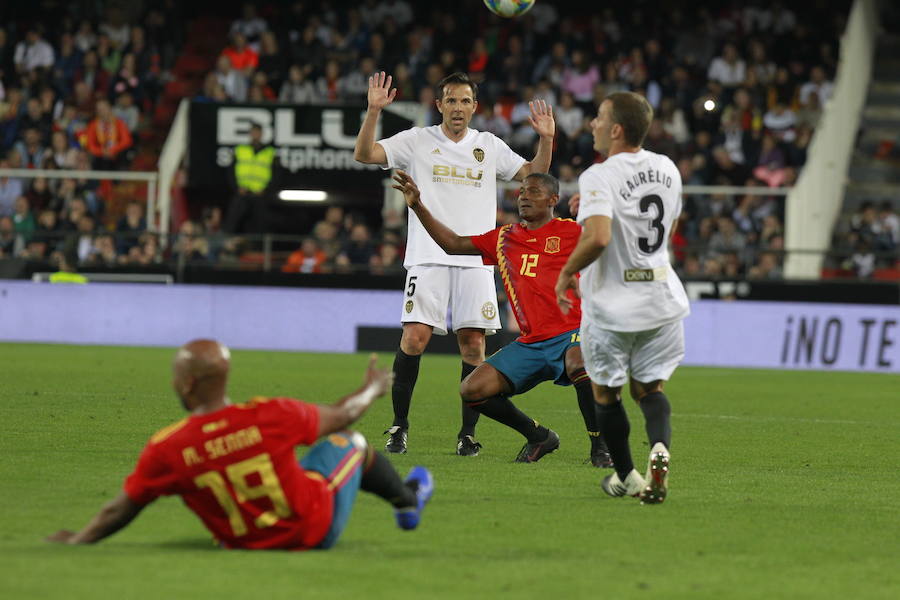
x=362, y=156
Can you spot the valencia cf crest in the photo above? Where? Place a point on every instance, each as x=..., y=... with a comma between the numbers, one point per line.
x=478, y=153
x=409, y=306
x=551, y=245
x=488, y=311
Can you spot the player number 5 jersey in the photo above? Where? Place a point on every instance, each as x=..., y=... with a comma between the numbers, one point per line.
x=632, y=286
x=458, y=181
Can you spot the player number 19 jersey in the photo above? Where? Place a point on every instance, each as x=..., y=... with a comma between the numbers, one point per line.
x=632, y=286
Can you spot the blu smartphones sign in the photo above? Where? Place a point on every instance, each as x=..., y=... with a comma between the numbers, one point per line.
x=314, y=144
x=840, y=337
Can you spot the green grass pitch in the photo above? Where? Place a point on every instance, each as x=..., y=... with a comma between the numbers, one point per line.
x=784, y=485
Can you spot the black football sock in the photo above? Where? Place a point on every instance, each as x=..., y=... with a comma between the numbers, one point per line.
x=587, y=405
x=614, y=428
x=502, y=410
x=469, y=414
x=657, y=412
x=406, y=371
x=380, y=478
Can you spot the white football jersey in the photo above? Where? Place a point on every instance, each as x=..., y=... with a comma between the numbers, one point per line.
x=458, y=182
x=632, y=286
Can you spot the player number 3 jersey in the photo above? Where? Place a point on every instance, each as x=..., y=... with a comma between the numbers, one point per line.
x=458, y=182
x=632, y=286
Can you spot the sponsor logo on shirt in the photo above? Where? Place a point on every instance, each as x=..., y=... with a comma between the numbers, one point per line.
x=436, y=151
x=456, y=175
x=657, y=274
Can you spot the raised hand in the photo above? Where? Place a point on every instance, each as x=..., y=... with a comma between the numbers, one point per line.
x=380, y=379
x=541, y=118
x=406, y=185
x=380, y=92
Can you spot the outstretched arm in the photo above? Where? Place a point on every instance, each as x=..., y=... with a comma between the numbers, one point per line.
x=542, y=120
x=594, y=239
x=114, y=515
x=380, y=95
x=445, y=237
x=338, y=416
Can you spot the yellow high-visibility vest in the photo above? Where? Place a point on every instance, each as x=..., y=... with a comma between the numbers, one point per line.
x=66, y=277
x=253, y=170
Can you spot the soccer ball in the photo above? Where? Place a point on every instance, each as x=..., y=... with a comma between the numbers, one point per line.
x=509, y=8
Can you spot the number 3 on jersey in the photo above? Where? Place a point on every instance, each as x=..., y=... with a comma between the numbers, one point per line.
x=656, y=224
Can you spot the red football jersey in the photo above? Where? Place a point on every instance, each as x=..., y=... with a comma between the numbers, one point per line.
x=530, y=261
x=237, y=470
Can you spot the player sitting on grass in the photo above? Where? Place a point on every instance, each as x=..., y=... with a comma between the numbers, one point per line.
x=529, y=256
x=234, y=464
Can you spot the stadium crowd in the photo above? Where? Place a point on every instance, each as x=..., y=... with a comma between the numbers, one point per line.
x=737, y=90
x=74, y=89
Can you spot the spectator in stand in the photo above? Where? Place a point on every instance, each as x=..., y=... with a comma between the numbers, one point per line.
x=729, y=69
x=108, y=138
x=127, y=80
x=84, y=239
x=36, y=118
x=130, y=227
x=10, y=189
x=11, y=243
x=297, y=89
x=272, y=62
x=104, y=253
x=232, y=81
x=889, y=226
x=33, y=53
x=251, y=26
x=68, y=62
x=863, y=260
x=355, y=84
x=115, y=28
x=329, y=86
x=770, y=167
x=818, y=85
x=240, y=56
x=40, y=195
x=85, y=38
x=260, y=88
x=191, y=245
x=489, y=120
x=358, y=250
x=386, y=260
x=727, y=238
x=23, y=219
x=146, y=252
x=766, y=267
x=569, y=118
x=127, y=111
x=781, y=122
x=308, y=258
x=579, y=79
x=31, y=151
x=147, y=62
x=108, y=55
x=47, y=236
x=726, y=170
x=91, y=75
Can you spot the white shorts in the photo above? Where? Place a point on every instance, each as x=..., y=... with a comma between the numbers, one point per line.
x=611, y=356
x=468, y=293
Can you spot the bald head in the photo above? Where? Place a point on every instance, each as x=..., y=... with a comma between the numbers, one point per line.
x=200, y=373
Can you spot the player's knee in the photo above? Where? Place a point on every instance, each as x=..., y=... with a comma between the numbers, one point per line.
x=414, y=341
x=470, y=391
x=358, y=440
